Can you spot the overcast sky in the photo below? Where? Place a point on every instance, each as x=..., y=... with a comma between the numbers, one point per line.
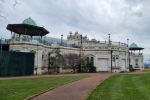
x=123, y=19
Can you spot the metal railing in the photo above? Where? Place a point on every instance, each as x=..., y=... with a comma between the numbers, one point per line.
x=47, y=43
x=4, y=41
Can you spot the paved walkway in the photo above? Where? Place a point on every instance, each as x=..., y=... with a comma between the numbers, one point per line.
x=78, y=90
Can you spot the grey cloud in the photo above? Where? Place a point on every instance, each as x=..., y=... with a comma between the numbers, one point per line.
x=123, y=19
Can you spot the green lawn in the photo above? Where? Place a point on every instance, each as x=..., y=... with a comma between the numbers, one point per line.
x=123, y=87
x=18, y=89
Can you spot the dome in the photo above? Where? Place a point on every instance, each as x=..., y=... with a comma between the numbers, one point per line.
x=133, y=45
x=29, y=21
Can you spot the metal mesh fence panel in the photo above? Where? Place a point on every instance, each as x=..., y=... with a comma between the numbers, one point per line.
x=16, y=63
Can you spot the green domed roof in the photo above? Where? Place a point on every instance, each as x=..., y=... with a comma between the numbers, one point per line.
x=29, y=21
x=133, y=45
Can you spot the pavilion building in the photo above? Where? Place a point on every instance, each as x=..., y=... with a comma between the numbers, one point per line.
x=106, y=55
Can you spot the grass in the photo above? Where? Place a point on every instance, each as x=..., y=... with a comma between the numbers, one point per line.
x=18, y=89
x=123, y=87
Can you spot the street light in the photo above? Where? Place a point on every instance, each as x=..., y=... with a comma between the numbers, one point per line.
x=111, y=59
x=81, y=40
x=109, y=38
x=129, y=53
x=111, y=52
x=61, y=39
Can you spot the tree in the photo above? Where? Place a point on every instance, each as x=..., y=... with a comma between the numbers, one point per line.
x=55, y=60
x=82, y=65
x=50, y=60
x=73, y=61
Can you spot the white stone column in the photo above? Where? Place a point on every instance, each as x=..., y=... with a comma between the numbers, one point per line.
x=39, y=59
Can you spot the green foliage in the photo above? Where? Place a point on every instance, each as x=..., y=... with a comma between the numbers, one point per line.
x=33, y=51
x=55, y=60
x=131, y=68
x=35, y=68
x=123, y=87
x=17, y=50
x=20, y=89
x=55, y=73
x=90, y=67
x=44, y=73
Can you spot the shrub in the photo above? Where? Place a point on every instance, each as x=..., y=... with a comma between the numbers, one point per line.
x=131, y=68
x=55, y=73
x=35, y=68
x=92, y=69
x=46, y=72
x=78, y=71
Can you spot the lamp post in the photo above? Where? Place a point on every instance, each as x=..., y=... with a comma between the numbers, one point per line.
x=129, y=53
x=109, y=38
x=111, y=59
x=111, y=52
x=61, y=39
x=81, y=39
